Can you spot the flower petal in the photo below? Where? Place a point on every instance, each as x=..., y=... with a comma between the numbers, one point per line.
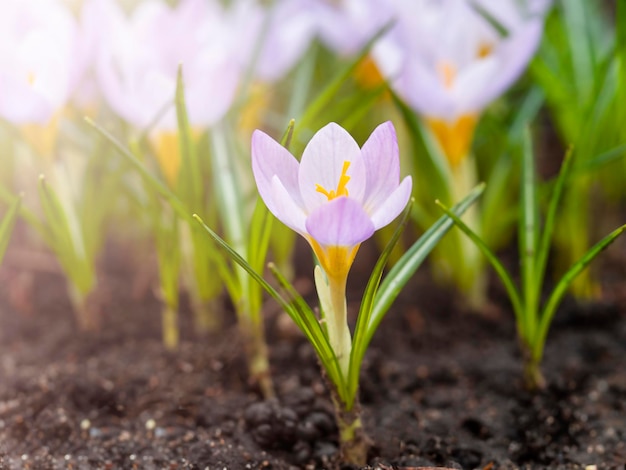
x=322, y=163
x=340, y=222
x=286, y=208
x=393, y=205
x=382, y=166
x=270, y=159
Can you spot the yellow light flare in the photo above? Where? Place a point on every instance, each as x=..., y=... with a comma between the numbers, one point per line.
x=454, y=138
x=341, y=190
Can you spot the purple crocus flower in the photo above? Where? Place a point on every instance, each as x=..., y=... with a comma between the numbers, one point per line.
x=338, y=194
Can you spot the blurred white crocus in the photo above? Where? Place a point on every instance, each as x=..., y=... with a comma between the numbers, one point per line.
x=139, y=58
x=450, y=58
x=38, y=70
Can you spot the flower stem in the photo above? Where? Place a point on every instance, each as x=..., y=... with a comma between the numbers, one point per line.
x=332, y=293
x=533, y=378
x=354, y=443
x=257, y=355
x=471, y=274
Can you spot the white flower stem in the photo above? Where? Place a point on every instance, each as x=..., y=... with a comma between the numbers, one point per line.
x=332, y=294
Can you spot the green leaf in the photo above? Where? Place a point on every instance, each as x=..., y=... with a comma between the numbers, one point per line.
x=190, y=177
x=296, y=308
x=367, y=303
x=67, y=244
x=258, y=244
x=561, y=288
x=528, y=236
x=305, y=319
x=30, y=217
x=406, y=266
x=548, y=227
x=153, y=182
x=285, y=140
x=509, y=285
x=6, y=227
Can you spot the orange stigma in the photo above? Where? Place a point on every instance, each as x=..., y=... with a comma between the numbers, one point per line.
x=341, y=186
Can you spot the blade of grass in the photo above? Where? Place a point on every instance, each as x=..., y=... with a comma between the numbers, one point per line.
x=6, y=227
x=367, y=304
x=528, y=231
x=548, y=227
x=504, y=275
x=561, y=288
x=406, y=266
x=314, y=332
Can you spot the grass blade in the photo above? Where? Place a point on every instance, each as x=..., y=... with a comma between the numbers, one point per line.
x=548, y=228
x=367, y=303
x=6, y=227
x=406, y=266
x=561, y=288
x=528, y=235
x=504, y=275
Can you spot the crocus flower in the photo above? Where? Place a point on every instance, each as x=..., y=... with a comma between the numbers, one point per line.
x=138, y=62
x=38, y=41
x=345, y=26
x=449, y=61
x=338, y=194
x=335, y=197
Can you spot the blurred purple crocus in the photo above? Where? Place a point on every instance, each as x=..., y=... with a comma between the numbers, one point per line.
x=338, y=194
x=450, y=58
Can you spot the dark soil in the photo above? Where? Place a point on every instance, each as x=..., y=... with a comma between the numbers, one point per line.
x=439, y=386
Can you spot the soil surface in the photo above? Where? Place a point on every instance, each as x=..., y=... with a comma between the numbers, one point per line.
x=440, y=387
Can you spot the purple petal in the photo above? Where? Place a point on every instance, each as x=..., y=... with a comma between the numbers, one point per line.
x=270, y=159
x=286, y=209
x=382, y=165
x=322, y=163
x=393, y=205
x=340, y=222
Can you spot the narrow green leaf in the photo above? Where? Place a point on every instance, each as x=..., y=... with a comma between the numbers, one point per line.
x=509, y=285
x=561, y=288
x=153, y=182
x=29, y=216
x=406, y=266
x=367, y=303
x=190, y=177
x=285, y=140
x=528, y=236
x=6, y=227
x=305, y=319
x=548, y=227
x=601, y=160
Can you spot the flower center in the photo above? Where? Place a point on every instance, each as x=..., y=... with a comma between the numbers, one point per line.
x=341, y=186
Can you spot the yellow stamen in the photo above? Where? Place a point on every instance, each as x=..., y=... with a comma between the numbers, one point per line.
x=448, y=74
x=455, y=138
x=484, y=50
x=30, y=78
x=341, y=190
